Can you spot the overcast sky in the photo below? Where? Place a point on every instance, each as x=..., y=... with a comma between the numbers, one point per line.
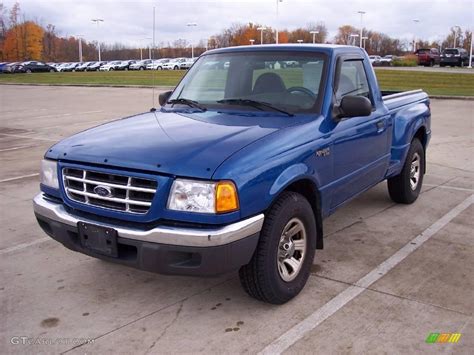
x=130, y=22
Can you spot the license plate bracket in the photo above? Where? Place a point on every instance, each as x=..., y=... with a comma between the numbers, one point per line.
x=101, y=240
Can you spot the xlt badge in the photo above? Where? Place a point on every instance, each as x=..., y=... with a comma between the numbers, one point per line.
x=323, y=152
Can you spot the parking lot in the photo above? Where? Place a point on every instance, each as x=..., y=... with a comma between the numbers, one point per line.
x=359, y=299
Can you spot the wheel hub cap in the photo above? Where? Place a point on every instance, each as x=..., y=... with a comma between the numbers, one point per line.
x=291, y=249
x=415, y=171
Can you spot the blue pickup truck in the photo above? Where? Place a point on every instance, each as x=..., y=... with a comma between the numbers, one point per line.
x=238, y=168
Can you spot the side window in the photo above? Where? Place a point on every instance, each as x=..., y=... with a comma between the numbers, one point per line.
x=352, y=80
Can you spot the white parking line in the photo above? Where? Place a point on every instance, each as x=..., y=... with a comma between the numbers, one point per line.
x=15, y=148
x=312, y=321
x=448, y=187
x=24, y=245
x=19, y=177
x=76, y=124
x=27, y=137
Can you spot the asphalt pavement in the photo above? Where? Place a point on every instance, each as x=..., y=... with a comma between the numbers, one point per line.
x=388, y=277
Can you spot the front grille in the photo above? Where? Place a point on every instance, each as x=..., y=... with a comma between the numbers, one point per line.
x=111, y=191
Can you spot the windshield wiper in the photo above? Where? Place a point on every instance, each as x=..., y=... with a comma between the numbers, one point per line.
x=254, y=103
x=190, y=103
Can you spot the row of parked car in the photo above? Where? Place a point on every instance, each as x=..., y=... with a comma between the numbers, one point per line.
x=146, y=64
x=448, y=57
x=429, y=57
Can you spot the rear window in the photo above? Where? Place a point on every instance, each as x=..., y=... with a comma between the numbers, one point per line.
x=422, y=51
x=451, y=51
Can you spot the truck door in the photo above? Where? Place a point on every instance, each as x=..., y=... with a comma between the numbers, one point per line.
x=360, y=144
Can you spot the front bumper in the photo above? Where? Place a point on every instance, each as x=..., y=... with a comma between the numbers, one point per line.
x=163, y=249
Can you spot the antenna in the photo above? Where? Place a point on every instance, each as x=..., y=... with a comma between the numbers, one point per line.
x=152, y=59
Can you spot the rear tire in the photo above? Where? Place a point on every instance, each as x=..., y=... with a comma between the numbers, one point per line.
x=405, y=187
x=282, y=261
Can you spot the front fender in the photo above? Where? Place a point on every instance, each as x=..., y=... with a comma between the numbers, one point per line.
x=287, y=176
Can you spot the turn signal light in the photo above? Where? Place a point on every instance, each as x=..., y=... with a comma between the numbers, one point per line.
x=226, y=197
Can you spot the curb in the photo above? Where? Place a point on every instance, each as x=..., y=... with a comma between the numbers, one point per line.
x=437, y=97
x=93, y=85
x=445, y=97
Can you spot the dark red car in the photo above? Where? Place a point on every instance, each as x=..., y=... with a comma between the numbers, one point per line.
x=427, y=56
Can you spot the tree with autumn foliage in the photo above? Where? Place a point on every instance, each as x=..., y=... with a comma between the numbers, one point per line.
x=24, y=42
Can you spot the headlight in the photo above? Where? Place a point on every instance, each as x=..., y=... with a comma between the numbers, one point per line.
x=49, y=173
x=203, y=196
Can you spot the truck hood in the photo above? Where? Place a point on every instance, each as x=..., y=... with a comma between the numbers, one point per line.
x=182, y=144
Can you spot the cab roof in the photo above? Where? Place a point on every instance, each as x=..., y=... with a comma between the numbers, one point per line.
x=292, y=47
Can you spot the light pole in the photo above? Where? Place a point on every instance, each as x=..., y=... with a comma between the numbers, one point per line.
x=192, y=24
x=470, y=53
x=252, y=41
x=362, y=13
x=455, y=35
x=416, y=21
x=314, y=33
x=363, y=43
x=80, y=47
x=353, y=37
x=261, y=29
x=97, y=21
x=276, y=29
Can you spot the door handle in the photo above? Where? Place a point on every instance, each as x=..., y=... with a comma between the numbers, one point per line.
x=380, y=126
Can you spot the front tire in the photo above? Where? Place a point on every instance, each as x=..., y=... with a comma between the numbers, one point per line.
x=282, y=261
x=405, y=187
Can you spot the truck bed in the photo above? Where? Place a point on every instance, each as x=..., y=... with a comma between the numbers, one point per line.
x=397, y=99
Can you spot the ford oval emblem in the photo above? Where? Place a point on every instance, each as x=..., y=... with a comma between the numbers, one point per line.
x=103, y=191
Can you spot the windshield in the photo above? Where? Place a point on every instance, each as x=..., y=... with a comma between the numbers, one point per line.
x=288, y=81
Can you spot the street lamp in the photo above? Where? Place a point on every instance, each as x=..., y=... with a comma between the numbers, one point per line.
x=97, y=21
x=353, y=37
x=362, y=13
x=299, y=41
x=80, y=47
x=455, y=35
x=276, y=29
x=416, y=21
x=192, y=24
x=252, y=41
x=314, y=33
x=261, y=29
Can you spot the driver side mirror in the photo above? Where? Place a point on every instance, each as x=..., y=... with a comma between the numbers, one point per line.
x=163, y=97
x=352, y=106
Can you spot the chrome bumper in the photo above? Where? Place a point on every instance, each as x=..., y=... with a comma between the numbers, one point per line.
x=163, y=235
